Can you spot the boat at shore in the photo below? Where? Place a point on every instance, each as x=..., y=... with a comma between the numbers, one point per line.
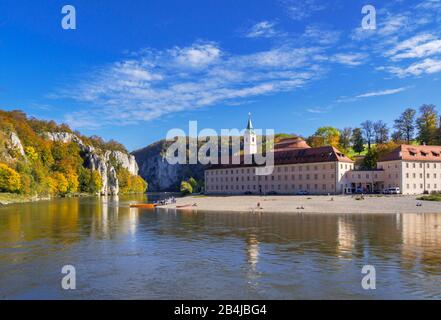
x=143, y=205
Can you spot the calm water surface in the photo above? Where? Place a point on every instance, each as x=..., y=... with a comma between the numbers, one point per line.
x=123, y=253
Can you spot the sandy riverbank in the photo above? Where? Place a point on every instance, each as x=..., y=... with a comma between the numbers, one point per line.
x=309, y=204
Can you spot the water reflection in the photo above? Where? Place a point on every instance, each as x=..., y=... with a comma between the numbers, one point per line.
x=129, y=253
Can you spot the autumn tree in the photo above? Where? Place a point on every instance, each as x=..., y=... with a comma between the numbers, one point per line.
x=427, y=124
x=10, y=180
x=326, y=136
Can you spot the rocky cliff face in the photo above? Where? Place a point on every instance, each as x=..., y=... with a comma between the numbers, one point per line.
x=100, y=161
x=161, y=175
x=16, y=143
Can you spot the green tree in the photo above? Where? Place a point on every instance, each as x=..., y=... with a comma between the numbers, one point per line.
x=186, y=188
x=345, y=138
x=370, y=160
x=357, y=140
x=427, y=124
x=405, y=125
x=193, y=183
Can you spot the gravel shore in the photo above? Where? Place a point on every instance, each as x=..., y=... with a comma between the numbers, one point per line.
x=308, y=204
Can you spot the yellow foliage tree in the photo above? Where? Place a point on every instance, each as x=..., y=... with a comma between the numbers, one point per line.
x=72, y=180
x=31, y=154
x=9, y=179
x=61, y=183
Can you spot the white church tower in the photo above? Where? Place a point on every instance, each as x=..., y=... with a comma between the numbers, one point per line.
x=250, y=139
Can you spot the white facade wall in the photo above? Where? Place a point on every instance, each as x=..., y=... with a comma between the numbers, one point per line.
x=315, y=178
x=420, y=176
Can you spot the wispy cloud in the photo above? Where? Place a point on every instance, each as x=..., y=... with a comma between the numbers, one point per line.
x=381, y=93
x=410, y=40
x=349, y=59
x=371, y=94
x=263, y=29
x=301, y=10
x=321, y=35
x=154, y=83
x=318, y=110
x=427, y=66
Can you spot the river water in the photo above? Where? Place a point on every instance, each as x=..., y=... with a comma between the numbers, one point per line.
x=123, y=253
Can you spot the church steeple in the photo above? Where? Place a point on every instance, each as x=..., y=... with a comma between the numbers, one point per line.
x=250, y=139
x=250, y=123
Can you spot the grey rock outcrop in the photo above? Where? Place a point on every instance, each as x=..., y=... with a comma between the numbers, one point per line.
x=16, y=143
x=161, y=175
x=100, y=161
x=127, y=161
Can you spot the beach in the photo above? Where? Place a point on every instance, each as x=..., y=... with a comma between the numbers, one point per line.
x=335, y=204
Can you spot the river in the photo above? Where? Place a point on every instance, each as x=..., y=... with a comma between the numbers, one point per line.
x=124, y=253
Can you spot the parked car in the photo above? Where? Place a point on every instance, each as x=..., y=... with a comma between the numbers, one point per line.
x=272, y=193
x=395, y=190
x=302, y=193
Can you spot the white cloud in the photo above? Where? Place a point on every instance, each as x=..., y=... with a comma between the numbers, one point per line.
x=420, y=46
x=263, y=29
x=409, y=41
x=321, y=35
x=197, y=56
x=301, y=10
x=152, y=84
x=381, y=93
x=427, y=66
x=318, y=110
x=349, y=59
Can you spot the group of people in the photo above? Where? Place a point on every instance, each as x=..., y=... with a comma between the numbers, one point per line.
x=171, y=200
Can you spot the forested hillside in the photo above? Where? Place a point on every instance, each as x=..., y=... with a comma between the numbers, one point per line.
x=42, y=158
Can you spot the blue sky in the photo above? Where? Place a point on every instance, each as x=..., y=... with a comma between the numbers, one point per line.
x=132, y=70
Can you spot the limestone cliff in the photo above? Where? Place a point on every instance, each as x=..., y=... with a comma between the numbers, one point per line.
x=162, y=176
x=100, y=160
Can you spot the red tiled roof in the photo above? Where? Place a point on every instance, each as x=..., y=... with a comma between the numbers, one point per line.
x=413, y=153
x=295, y=156
x=291, y=143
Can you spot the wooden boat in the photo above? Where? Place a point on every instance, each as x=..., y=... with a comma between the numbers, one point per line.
x=143, y=206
